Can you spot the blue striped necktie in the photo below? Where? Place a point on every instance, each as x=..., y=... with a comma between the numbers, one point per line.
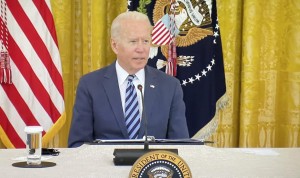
x=132, y=114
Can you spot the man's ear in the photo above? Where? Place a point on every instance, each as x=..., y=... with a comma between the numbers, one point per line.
x=113, y=44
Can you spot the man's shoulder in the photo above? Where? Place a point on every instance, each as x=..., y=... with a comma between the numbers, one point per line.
x=96, y=74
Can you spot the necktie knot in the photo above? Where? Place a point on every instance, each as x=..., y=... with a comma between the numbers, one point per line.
x=130, y=78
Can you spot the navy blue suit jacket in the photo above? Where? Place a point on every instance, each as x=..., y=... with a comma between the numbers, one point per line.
x=98, y=113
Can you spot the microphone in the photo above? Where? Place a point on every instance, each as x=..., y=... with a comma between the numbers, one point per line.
x=129, y=156
x=146, y=143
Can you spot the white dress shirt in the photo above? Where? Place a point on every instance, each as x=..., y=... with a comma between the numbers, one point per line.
x=122, y=81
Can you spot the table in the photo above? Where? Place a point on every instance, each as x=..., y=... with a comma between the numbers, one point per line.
x=90, y=161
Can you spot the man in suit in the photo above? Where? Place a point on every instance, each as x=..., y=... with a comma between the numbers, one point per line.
x=100, y=109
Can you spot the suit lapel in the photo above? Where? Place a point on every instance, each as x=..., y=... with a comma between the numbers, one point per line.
x=113, y=93
x=150, y=96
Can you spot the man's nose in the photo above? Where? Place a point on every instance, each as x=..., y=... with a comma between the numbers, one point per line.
x=140, y=46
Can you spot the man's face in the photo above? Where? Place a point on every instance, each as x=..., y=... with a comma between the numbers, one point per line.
x=132, y=48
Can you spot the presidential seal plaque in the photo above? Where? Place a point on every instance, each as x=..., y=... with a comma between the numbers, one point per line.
x=160, y=163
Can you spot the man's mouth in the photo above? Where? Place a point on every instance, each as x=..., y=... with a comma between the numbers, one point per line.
x=138, y=58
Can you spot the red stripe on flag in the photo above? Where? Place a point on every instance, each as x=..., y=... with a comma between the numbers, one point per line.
x=36, y=42
x=158, y=30
x=10, y=131
x=165, y=39
x=160, y=35
x=157, y=27
x=35, y=84
x=20, y=105
x=47, y=17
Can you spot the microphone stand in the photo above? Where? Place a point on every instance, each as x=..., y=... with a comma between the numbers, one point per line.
x=129, y=156
x=146, y=144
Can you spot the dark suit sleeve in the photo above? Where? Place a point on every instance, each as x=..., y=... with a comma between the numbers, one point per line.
x=177, y=127
x=82, y=122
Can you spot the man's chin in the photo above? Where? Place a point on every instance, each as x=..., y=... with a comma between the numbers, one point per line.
x=139, y=67
x=141, y=64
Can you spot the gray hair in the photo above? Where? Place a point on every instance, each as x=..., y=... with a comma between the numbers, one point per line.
x=116, y=25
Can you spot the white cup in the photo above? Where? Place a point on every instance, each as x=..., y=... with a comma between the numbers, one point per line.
x=34, y=144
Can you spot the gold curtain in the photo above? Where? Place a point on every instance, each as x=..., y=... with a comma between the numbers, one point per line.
x=83, y=28
x=261, y=42
x=270, y=74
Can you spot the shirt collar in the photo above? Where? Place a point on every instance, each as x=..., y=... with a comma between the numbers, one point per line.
x=122, y=74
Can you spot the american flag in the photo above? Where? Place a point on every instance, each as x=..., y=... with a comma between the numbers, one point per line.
x=36, y=95
x=164, y=31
